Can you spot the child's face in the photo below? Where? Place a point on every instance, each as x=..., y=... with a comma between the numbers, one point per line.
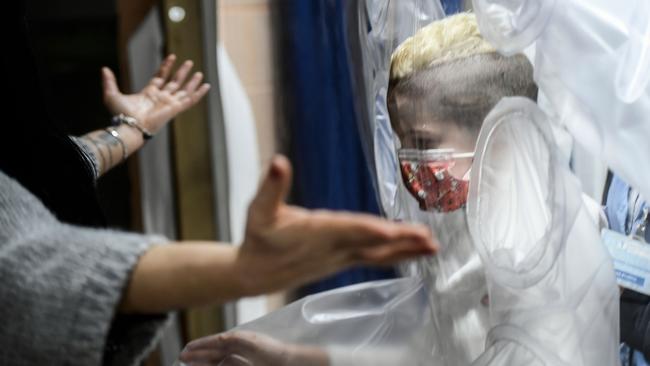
x=424, y=132
x=432, y=170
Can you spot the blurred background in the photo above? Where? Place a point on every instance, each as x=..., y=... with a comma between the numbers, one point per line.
x=282, y=83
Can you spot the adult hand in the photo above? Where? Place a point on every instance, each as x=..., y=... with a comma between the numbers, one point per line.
x=286, y=246
x=161, y=100
x=241, y=348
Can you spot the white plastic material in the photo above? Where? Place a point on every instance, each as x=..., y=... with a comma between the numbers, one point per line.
x=552, y=300
x=593, y=64
x=437, y=317
x=521, y=276
x=553, y=295
x=513, y=25
x=390, y=22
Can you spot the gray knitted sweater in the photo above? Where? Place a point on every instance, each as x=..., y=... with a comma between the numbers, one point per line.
x=60, y=286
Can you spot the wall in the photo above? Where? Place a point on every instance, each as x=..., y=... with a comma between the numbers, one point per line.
x=245, y=32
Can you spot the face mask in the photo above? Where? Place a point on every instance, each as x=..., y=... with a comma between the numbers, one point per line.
x=427, y=176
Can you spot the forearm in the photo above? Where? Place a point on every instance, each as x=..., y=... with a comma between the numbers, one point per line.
x=111, y=150
x=184, y=275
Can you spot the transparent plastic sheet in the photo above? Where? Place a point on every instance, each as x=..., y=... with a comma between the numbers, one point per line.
x=593, y=64
x=481, y=300
x=399, y=321
x=378, y=323
x=376, y=28
x=553, y=295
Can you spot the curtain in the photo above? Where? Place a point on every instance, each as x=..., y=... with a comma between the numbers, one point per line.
x=324, y=143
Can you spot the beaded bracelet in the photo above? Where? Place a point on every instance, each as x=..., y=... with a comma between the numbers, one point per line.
x=132, y=122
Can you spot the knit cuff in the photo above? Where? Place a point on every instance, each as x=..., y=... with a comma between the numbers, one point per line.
x=132, y=338
x=106, y=278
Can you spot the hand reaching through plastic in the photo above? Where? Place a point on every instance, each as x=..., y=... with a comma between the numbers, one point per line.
x=284, y=246
x=250, y=349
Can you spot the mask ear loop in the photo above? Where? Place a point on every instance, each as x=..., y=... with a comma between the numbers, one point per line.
x=467, y=155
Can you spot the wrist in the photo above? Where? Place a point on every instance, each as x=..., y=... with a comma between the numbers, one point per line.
x=133, y=123
x=243, y=274
x=131, y=138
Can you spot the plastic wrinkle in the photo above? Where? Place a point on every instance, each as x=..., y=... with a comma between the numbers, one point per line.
x=593, y=64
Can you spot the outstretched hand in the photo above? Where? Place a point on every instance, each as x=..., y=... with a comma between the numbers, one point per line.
x=242, y=348
x=284, y=246
x=161, y=100
x=287, y=246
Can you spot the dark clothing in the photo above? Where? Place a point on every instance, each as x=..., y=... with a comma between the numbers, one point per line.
x=34, y=150
x=625, y=212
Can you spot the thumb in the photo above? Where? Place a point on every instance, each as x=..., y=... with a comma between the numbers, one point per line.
x=274, y=188
x=109, y=82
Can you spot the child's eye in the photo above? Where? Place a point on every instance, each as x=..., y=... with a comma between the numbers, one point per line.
x=415, y=140
x=428, y=143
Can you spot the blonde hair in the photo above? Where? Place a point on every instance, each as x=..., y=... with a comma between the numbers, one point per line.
x=447, y=72
x=449, y=39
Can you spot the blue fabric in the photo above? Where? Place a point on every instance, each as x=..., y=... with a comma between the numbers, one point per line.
x=630, y=357
x=617, y=211
x=330, y=168
x=452, y=6
x=616, y=207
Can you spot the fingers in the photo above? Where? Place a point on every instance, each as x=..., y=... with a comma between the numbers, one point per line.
x=222, y=340
x=345, y=229
x=177, y=91
x=392, y=253
x=190, y=96
x=236, y=360
x=179, y=77
x=207, y=356
x=166, y=67
x=109, y=82
x=219, y=349
x=194, y=83
x=199, y=94
x=212, y=358
x=272, y=191
x=158, y=81
x=364, y=239
x=204, y=343
x=403, y=246
x=244, y=348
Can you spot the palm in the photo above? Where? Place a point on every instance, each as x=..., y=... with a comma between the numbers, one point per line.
x=161, y=100
x=149, y=106
x=306, y=245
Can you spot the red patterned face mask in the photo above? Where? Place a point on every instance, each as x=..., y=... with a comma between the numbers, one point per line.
x=426, y=174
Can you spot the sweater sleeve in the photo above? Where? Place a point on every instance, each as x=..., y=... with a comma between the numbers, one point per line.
x=60, y=286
